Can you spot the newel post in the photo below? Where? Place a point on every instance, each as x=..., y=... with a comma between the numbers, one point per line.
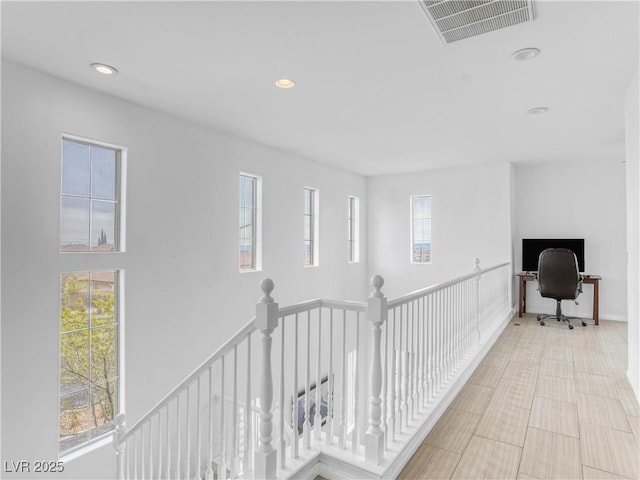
x=377, y=315
x=119, y=445
x=477, y=270
x=266, y=320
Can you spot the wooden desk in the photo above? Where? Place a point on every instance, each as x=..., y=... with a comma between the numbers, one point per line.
x=525, y=277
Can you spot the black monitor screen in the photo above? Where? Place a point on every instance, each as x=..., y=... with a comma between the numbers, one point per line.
x=532, y=247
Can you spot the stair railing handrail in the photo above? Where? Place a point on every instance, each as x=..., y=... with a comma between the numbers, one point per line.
x=250, y=327
x=440, y=286
x=227, y=347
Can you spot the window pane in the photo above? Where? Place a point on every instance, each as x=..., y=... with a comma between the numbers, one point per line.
x=246, y=191
x=74, y=301
x=246, y=223
x=104, y=405
x=307, y=227
x=103, y=302
x=103, y=226
x=74, y=224
x=74, y=419
x=246, y=254
x=307, y=201
x=103, y=173
x=417, y=207
x=427, y=206
x=75, y=168
x=308, y=253
x=74, y=361
x=103, y=354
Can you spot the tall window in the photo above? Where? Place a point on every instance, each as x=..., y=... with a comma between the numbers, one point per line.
x=353, y=229
x=90, y=198
x=421, y=229
x=88, y=356
x=250, y=194
x=90, y=314
x=310, y=227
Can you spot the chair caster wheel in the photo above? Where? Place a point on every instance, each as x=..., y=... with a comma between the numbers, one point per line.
x=570, y=327
x=584, y=324
x=541, y=322
x=539, y=317
x=557, y=319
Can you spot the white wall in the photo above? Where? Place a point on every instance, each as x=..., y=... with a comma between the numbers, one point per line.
x=184, y=295
x=633, y=231
x=471, y=217
x=577, y=200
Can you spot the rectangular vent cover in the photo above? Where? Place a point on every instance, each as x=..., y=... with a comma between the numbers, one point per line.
x=459, y=19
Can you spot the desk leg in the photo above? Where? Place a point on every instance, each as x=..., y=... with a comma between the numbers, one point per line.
x=522, y=297
x=596, y=303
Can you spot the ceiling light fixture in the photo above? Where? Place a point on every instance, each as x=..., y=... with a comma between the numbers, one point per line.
x=104, y=69
x=285, y=83
x=525, y=54
x=537, y=110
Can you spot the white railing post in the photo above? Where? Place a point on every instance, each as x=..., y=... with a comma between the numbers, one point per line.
x=266, y=321
x=377, y=315
x=477, y=270
x=118, y=433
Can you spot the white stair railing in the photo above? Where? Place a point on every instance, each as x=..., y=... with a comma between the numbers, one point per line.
x=292, y=381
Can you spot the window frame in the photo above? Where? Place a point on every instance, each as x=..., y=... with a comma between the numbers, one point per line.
x=312, y=236
x=256, y=208
x=412, y=232
x=353, y=229
x=119, y=201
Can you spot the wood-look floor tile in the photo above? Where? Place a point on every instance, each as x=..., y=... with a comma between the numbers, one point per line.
x=485, y=458
x=590, y=473
x=516, y=391
x=530, y=355
x=603, y=411
x=430, y=462
x=634, y=423
x=554, y=416
x=548, y=455
x=504, y=423
x=496, y=358
x=609, y=450
x=556, y=352
x=473, y=398
x=556, y=368
x=595, y=384
x=563, y=389
x=453, y=430
x=487, y=376
x=521, y=371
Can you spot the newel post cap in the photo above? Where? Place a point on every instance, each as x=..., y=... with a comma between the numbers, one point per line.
x=377, y=282
x=476, y=265
x=267, y=287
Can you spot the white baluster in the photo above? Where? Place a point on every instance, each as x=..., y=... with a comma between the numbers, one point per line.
x=478, y=271
x=222, y=463
x=282, y=445
x=142, y=454
x=119, y=446
x=317, y=422
x=266, y=321
x=356, y=389
x=294, y=392
x=135, y=455
x=331, y=384
x=407, y=364
x=385, y=386
x=247, y=411
x=343, y=390
x=400, y=368
x=394, y=378
x=198, y=432
x=188, y=433
x=377, y=315
x=234, y=417
x=150, y=448
x=208, y=473
x=307, y=387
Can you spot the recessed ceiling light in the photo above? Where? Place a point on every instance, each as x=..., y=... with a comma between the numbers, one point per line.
x=526, y=54
x=285, y=83
x=537, y=110
x=104, y=69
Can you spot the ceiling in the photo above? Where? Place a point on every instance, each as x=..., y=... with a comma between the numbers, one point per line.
x=376, y=90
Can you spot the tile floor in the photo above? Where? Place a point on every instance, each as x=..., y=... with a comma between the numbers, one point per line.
x=546, y=402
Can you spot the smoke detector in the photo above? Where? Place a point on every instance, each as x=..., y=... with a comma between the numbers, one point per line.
x=456, y=20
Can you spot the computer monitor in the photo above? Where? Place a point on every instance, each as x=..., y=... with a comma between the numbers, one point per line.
x=532, y=247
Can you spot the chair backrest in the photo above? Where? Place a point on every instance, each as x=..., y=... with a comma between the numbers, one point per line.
x=558, y=274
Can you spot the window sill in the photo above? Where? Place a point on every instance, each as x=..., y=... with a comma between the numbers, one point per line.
x=99, y=442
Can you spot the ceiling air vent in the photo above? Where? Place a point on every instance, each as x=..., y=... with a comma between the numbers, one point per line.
x=459, y=19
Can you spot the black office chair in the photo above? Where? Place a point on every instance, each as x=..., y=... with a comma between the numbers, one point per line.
x=559, y=278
